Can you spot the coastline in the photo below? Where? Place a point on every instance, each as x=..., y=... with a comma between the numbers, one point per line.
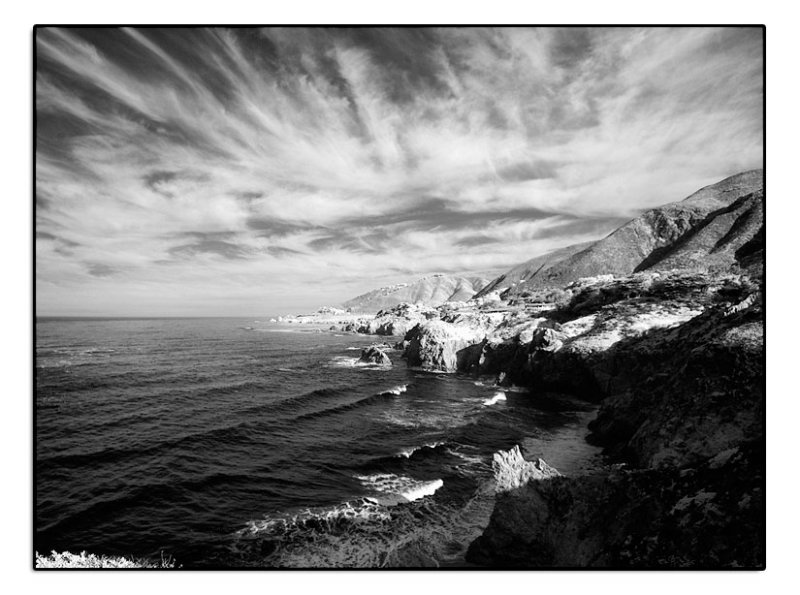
x=675, y=361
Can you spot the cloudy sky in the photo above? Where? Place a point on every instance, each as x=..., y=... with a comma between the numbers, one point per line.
x=264, y=171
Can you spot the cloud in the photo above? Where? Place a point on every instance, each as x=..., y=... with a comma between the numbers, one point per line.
x=214, y=247
x=100, y=270
x=273, y=162
x=480, y=240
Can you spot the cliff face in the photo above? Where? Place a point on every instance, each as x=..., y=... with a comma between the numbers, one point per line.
x=701, y=232
x=684, y=411
x=429, y=291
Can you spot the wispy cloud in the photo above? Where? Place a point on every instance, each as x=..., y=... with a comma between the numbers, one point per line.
x=242, y=171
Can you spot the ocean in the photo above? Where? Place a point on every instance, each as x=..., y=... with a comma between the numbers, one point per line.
x=224, y=442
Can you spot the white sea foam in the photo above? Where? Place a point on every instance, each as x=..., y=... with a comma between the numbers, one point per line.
x=495, y=399
x=397, y=390
x=281, y=524
x=343, y=361
x=389, y=489
x=365, y=534
x=407, y=452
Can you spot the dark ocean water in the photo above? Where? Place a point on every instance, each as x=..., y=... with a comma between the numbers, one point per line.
x=235, y=442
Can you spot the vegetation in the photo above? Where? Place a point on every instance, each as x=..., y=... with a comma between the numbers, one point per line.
x=84, y=560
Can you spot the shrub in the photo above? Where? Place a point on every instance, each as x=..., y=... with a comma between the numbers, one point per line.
x=84, y=560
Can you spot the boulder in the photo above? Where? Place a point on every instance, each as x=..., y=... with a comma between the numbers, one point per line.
x=375, y=354
x=442, y=346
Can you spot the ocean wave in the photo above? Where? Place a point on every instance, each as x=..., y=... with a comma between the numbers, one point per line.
x=426, y=420
x=330, y=520
x=348, y=406
x=397, y=390
x=389, y=489
x=406, y=453
x=366, y=534
x=495, y=399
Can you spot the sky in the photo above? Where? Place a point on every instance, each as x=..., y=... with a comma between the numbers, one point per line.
x=225, y=172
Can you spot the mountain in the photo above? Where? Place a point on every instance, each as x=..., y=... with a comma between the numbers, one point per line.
x=431, y=291
x=531, y=267
x=702, y=232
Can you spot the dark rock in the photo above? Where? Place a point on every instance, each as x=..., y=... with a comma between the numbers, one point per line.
x=710, y=516
x=375, y=354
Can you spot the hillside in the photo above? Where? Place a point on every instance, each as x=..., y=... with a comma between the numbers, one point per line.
x=430, y=291
x=701, y=232
x=530, y=268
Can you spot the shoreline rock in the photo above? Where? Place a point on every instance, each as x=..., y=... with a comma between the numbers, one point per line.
x=374, y=354
x=512, y=471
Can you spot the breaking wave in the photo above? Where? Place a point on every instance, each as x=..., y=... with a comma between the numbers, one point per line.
x=389, y=489
x=495, y=399
x=366, y=534
x=397, y=390
x=406, y=453
x=343, y=361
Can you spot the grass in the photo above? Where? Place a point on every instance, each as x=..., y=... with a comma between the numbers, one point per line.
x=84, y=560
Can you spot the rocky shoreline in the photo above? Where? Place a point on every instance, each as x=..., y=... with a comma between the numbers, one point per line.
x=676, y=361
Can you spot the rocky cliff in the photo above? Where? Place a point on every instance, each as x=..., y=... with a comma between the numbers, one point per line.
x=682, y=413
x=707, y=516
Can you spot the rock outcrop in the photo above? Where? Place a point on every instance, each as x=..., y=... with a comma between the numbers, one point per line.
x=688, y=393
x=442, y=346
x=684, y=414
x=374, y=354
x=512, y=471
x=707, y=516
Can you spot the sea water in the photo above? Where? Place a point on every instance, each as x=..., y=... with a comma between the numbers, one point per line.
x=228, y=442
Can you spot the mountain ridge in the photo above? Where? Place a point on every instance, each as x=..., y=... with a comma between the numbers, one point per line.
x=702, y=231
x=433, y=290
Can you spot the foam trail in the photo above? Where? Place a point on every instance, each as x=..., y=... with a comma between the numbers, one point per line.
x=495, y=399
x=406, y=453
x=389, y=489
x=342, y=361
